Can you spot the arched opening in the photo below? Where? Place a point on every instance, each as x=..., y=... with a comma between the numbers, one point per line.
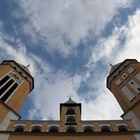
x=70, y=111
x=36, y=129
x=19, y=128
x=71, y=119
x=122, y=128
x=105, y=129
x=53, y=129
x=71, y=129
x=88, y=129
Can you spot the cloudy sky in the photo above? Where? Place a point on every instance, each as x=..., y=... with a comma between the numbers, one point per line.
x=69, y=45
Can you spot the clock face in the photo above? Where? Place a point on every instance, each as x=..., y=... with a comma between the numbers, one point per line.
x=16, y=77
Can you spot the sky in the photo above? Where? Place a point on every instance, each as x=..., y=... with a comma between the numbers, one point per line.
x=69, y=45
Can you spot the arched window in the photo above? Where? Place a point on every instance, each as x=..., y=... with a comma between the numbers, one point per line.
x=36, y=129
x=71, y=129
x=105, y=129
x=19, y=128
x=88, y=129
x=70, y=111
x=122, y=128
x=70, y=119
x=53, y=129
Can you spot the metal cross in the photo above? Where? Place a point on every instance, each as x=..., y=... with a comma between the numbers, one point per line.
x=28, y=66
x=70, y=96
x=110, y=65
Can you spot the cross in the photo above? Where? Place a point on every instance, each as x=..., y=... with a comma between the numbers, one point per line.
x=28, y=66
x=70, y=96
x=110, y=65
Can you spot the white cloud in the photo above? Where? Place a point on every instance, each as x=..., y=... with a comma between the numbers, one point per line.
x=51, y=90
x=105, y=107
x=63, y=24
x=131, y=48
x=19, y=54
x=112, y=50
x=56, y=20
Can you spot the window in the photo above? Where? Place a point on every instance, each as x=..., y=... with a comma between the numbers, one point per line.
x=88, y=129
x=138, y=89
x=36, y=129
x=130, y=96
x=134, y=85
x=70, y=119
x=16, y=77
x=130, y=70
x=118, y=82
x=137, y=76
x=70, y=111
x=19, y=128
x=122, y=128
x=4, y=80
x=124, y=76
x=53, y=129
x=71, y=129
x=114, y=77
x=9, y=92
x=8, y=85
x=105, y=129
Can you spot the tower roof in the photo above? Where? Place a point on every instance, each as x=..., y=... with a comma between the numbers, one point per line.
x=25, y=68
x=128, y=61
x=70, y=101
x=114, y=67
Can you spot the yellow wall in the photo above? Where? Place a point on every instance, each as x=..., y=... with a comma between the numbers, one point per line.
x=63, y=118
x=4, y=69
x=17, y=99
x=101, y=137
x=3, y=111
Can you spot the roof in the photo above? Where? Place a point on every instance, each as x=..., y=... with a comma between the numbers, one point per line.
x=70, y=101
x=114, y=67
x=25, y=68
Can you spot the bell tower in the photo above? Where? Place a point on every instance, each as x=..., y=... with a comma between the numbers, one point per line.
x=70, y=116
x=16, y=83
x=124, y=82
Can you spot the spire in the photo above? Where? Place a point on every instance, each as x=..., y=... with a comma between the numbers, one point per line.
x=110, y=65
x=114, y=67
x=70, y=96
x=26, y=68
x=70, y=101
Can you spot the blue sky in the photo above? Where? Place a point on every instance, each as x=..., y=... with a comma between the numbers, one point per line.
x=69, y=45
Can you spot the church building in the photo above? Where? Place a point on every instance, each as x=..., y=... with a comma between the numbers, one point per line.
x=16, y=83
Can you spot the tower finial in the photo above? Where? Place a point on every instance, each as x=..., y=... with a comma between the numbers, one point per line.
x=28, y=66
x=70, y=96
x=110, y=65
